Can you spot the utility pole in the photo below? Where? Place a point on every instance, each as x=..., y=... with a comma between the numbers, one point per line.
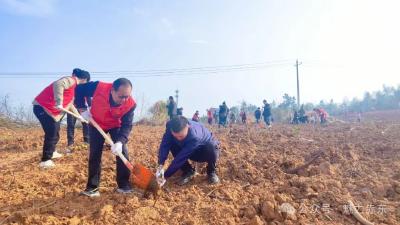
x=298, y=85
x=177, y=97
x=141, y=108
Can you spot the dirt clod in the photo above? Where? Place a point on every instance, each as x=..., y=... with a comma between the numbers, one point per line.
x=355, y=164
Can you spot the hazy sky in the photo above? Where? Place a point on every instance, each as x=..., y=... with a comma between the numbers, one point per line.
x=347, y=47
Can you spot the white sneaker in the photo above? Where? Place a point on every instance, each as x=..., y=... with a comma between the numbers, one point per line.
x=68, y=150
x=56, y=155
x=47, y=164
x=91, y=193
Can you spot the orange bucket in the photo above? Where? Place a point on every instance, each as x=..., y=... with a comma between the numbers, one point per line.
x=141, y=176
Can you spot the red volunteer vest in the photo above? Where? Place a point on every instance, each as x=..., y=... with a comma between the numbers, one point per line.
x=47, y=101
x=106, y=116
x=209, y=114
x=322, y=113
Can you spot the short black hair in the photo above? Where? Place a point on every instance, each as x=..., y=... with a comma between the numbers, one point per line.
x=81, y=74
x=76, y=71
x=85, y=75
x=178, y=123
x=121, y=82
x=171, y=98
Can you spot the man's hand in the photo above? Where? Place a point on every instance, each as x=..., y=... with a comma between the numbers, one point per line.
x=160, y=171
x=83, y=120
x=59, y=107
x=116, y=148
x=160, y=176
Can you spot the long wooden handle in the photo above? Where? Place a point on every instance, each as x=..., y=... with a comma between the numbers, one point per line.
x=101, y=131
x=106, y=137
x=74, y=115
x=110, y=141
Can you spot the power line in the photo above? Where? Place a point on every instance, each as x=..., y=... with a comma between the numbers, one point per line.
x=156, y=73
x=202, y=68
x=193, y=73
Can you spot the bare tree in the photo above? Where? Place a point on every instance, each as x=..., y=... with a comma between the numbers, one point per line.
x=159, y=112
x=21, y=114
x=5, y=107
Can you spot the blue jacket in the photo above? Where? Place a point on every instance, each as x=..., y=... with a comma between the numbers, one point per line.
x=198, y=136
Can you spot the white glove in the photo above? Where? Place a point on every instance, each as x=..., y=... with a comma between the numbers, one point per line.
x=160, y=171
x=59, y=107
x=86, y=115
x=116, y=148
x=160, y=176
x=83, y=120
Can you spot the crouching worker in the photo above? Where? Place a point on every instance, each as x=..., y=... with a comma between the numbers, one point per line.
x=113, y=109
x=48, y=107
x=187, y=140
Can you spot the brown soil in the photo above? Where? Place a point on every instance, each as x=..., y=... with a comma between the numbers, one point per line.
x=358, y=163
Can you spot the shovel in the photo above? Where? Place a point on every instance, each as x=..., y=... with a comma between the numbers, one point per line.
x=141, y=176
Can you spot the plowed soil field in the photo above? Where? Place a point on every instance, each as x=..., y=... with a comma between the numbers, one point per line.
x=288, y=174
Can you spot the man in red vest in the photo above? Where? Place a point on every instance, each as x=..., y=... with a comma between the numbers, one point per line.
x=209, y=116
x=47, y=108
x=113, y=109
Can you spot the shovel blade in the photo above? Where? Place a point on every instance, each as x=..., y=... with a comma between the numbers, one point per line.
x=141, y=176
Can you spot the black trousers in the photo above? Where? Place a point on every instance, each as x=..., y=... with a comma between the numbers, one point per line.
x=51, y=131
x=71, y=121
x=208, y=153
x=96, y=151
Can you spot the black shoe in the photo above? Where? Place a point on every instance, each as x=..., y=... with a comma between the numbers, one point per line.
x=213, y=178
x=186, y=177
x=91, y=192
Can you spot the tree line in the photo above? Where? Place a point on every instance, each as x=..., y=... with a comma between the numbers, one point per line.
x=388, y=98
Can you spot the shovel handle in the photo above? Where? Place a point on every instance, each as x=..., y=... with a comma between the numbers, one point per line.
x=125, y=161
x=106, y=137
x=73, y=114
x=120, y=155
x=110, y=142
x=101, y=131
